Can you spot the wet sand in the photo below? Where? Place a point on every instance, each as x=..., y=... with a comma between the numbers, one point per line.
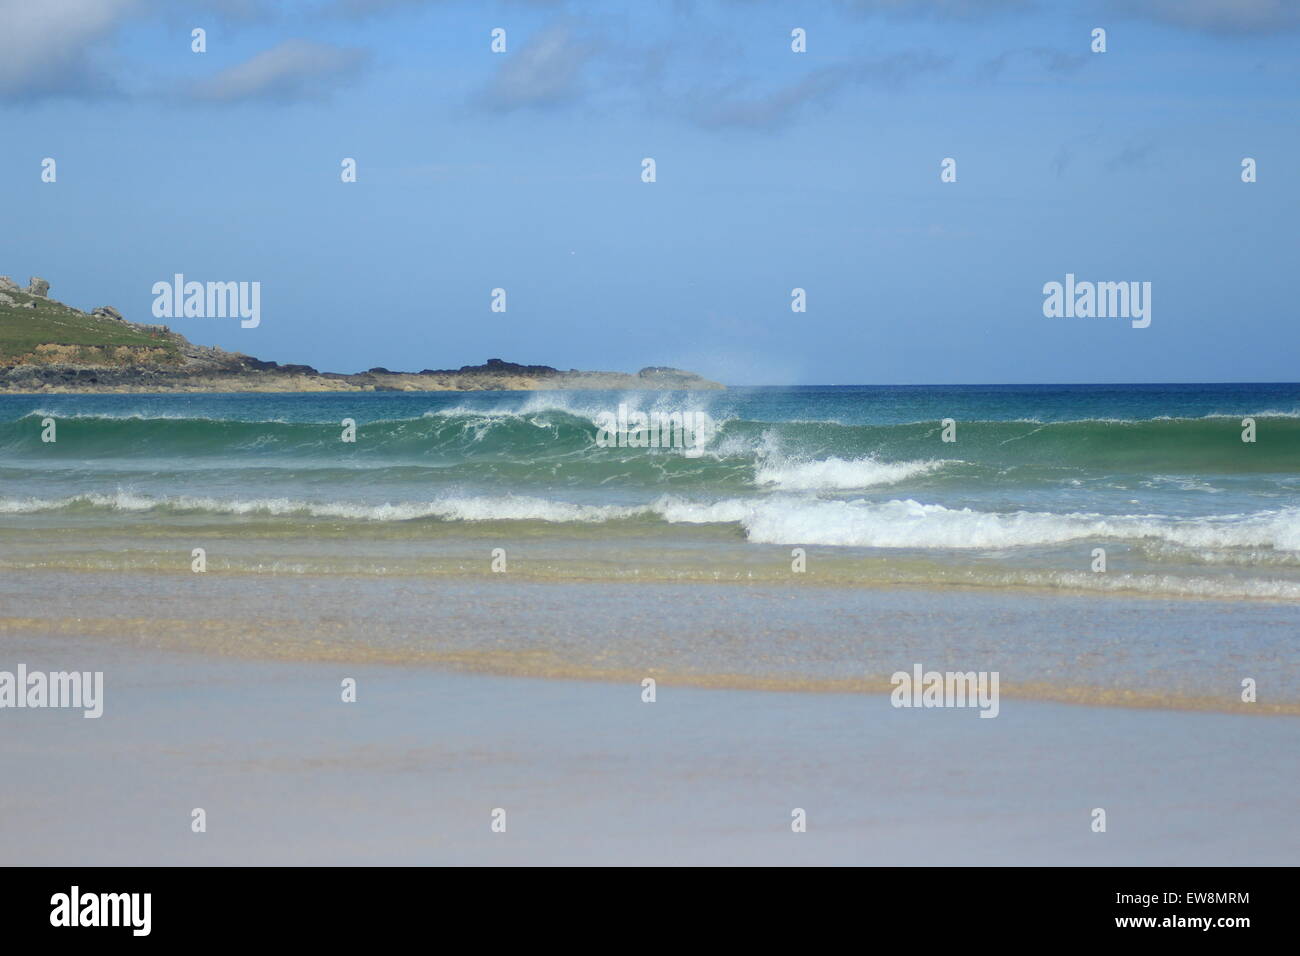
x=1103, y=650
x=588, y=773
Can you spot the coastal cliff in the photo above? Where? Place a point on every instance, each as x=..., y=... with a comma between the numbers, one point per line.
x=47, y=346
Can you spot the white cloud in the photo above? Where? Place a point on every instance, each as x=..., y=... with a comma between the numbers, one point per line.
x=547, y=71
x=49, y=47
x=1220, y=16
x=293, y=70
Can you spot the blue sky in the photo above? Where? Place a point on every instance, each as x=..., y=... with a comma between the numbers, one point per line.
x=775, y=170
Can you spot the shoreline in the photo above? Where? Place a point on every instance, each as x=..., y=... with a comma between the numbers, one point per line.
x=538, y=668
x=406, y=383
x=739, y=577
x=1123, y=653
x=365, y=382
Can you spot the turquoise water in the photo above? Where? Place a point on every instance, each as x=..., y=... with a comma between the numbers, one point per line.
x=1036, y=478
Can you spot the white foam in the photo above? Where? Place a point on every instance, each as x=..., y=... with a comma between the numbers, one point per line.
x=145, y=417
x=581, y=405
x=910, y=524
x=498, y=508
x=832, y=474
x=1160, y=584
x=779, y=519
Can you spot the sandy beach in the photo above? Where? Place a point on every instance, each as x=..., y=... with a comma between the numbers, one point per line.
x=587, y=773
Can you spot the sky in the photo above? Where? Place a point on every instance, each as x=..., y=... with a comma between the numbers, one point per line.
x=775, y=170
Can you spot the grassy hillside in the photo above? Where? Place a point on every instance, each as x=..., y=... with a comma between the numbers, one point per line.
x=50, y=323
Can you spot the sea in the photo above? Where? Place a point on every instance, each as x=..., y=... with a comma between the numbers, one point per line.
x=822, y=532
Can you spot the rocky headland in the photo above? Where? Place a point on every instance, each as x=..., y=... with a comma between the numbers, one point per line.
x=47, y=346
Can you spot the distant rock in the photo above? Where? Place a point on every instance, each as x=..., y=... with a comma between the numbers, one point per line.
x=6, y=299
x=495, y=366
x=8, y=285
x=108, y=312
x=38, y=286
x=664, y=377
x=258, y=365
